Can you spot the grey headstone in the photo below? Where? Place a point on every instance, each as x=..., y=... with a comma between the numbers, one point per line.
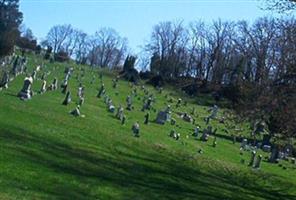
x=26, y=92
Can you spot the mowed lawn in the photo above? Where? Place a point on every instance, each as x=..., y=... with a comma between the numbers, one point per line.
x=45, y=153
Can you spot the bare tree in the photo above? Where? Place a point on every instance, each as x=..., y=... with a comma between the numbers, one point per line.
x=197, y=49
x=280, y=5
x=57, y=37
x=108, y=49
x=219, y=40
x=259, y=40
x=168, y=42
x=82, y=48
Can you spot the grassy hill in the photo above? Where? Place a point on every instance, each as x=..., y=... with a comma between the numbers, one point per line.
x=48, y=154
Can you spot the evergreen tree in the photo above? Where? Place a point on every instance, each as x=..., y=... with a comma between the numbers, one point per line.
x=10, y=20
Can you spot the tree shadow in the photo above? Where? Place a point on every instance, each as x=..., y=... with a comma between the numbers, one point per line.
x=137, y=172
x=10, y=94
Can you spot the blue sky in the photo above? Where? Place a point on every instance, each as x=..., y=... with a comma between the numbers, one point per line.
x=133, y=19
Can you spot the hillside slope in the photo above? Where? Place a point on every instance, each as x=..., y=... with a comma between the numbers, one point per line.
x=48, y=154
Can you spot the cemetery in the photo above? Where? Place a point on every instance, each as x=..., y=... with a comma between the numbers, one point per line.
x=40, y=136
x=198, y=110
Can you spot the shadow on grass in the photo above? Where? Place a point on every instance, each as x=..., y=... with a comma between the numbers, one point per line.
x=10, y=94
x=133, y=172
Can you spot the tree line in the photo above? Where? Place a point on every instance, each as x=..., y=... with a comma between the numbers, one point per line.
x=105, y=48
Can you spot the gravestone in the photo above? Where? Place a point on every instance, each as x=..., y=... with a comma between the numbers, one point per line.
x=207, y=120
x=281, y=155
x=200, y=151
x=163, y=117
x=274, y=154
x=4, y=81
x=64, y=84
x=266, y=148
x=119, y=113
x=123, y=119
x=102, y=91
x=109, y=102
x=252, y=160
x=15, y=66
x=174, y=135
x=64, y=88
x=259, y=128
x=288, y=150
x=106, y=99
x=136, y=129
x=215, y=142
x=244, y=144
x=147, y=118
x=43, y=87
x=67, y=74
x=187, y=118
x=26, y=92
x=179, y=102
x=134, y=92
x=149, y=103
x=222, y=120
x=258, y=162
x=67, y=99
x=193, y=111
x=205, y=135
x=114, y=85
x=214, y=111
x=160, y=90
x=129, y=103
x=111, y=108
x=34, y=74
x=173, y=121
x=76, y=111
x=81, y=101
x=196, y=131
x=54, y=85
x=80, y=92
x=233, y=138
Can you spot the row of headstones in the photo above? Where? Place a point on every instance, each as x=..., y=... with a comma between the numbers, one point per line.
x=165, y=115
x=206, y=132
x=120, y=110
x=148, y=100
x=26, y=92
x=80, y=91
x=18, y=67
x=275, y=155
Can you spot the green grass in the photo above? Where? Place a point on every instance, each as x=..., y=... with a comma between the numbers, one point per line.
x=48, y=154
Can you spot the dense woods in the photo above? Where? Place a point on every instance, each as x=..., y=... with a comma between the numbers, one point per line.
x=253, y=65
